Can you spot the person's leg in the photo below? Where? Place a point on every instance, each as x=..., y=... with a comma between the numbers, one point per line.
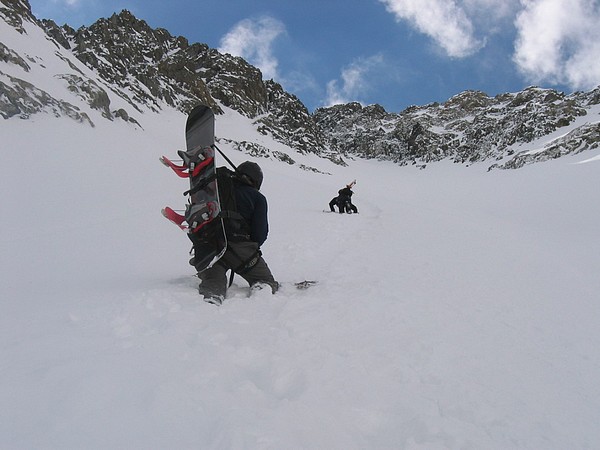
x=332, y=203
x=261, y=274
x=255, y=269
x=213, y=284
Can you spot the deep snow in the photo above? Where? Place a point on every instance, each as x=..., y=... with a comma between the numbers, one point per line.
x=458, y=309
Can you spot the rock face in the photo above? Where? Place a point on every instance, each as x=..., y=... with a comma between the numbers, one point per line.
x=149, y=68
x=468, y=128
x=159, y=67
x=131, y=56
x=14, y=11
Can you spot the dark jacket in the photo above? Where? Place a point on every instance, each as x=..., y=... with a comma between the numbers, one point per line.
x=345, y=193
x=344, y=197
x=252, y=205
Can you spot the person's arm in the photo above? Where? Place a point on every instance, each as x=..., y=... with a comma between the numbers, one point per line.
x=259, y=228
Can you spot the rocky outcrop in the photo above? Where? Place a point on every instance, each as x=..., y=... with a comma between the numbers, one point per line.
x=158, y=67
x=22, y=99
x=15, y=11
x=586, y=137
x=470, y=127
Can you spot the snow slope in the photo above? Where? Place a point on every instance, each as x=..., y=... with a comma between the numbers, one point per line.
x=459, y=309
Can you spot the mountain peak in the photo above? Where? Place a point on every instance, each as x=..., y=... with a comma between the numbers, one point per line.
x=149, y=69
x=20, y=6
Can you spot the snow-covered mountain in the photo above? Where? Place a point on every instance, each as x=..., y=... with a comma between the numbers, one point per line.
x=149, y=68
x=121, y=60
x=459, y=309
x=510, y=129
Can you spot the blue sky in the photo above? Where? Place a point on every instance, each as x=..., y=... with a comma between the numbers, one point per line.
x=395, y=53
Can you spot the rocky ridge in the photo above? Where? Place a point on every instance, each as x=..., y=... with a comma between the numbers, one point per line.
x=159, y=68
x=149, y=68
x=470, y=127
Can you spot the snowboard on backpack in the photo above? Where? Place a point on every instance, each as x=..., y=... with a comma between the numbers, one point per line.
x=201, y=219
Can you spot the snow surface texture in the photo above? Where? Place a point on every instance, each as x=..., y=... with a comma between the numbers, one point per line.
x=459, y=309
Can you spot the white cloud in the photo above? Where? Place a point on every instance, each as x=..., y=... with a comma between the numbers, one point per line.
x=354, y=80
x=51, y=4
x=559, y=42
x=66, y=3
x=445, y=21
x=490, y=9
x=299, y=81
x=252, y=39
x=491, y=17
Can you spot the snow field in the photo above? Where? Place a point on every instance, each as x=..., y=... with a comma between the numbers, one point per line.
x=457, y=309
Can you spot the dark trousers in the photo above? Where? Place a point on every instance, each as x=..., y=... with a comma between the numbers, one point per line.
x=344, y=205
x=333, y=203
x=350, y=207
x=214, y=279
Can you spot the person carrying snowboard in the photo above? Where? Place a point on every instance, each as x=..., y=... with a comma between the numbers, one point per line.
x=244, y=238
x=344, y=200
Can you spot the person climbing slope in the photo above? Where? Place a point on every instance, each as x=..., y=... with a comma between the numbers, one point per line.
x=247, y=229
x=344, y=200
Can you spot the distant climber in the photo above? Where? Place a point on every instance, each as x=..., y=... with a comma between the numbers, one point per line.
x=344, y=200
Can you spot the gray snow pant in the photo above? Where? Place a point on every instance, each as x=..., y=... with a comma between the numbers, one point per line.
x=214, y=279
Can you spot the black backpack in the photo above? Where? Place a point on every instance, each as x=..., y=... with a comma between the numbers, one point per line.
x=236, y=227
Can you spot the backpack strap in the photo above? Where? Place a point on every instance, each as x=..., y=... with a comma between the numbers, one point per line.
x=245, y=265
x=200, y=186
